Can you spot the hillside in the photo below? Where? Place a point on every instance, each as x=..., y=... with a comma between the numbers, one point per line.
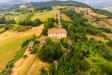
x=10, y=43
x=85, y=50
x=89, y=51
x=39, y=5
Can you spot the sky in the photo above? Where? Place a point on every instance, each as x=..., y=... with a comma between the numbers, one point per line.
x=95, y=1
x=84, y=1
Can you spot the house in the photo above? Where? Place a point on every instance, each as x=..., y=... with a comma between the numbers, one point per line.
x=57, y=33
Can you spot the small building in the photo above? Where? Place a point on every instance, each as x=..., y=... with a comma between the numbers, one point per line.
x=43, y=40
x=57, y=33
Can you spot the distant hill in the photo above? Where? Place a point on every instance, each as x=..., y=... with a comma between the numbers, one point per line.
x=108, y=9
x=17, y=3
x=54, y=3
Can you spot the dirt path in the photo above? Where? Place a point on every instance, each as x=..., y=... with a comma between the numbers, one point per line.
x=22, y=66
x=36, y=67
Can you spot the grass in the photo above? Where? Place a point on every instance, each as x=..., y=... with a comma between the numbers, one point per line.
x=43, y=16
x=8, y=48
x=11, y=41
x=37, y=66
x=31, y=66
x=26, y=66
x=64, y=17
x=97, y=38
x=107, y=23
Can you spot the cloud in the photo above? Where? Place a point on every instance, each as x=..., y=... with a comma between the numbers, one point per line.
x=94, y=1
x=3, y=1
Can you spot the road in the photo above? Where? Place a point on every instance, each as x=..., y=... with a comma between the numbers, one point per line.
x=59, y=19
x=69, y=42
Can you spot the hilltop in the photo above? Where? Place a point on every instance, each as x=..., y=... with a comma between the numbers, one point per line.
x=38, y=5
x=86, y=49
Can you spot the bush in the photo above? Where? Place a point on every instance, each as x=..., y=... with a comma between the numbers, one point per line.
x=29, y=22
x=22, y=28
x=64, y=42
x=36, y=22
x=2, y=19
x=84, y=65
x=10, y=22
x=109, y=43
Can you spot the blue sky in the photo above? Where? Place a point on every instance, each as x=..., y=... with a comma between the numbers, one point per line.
x=85, y=1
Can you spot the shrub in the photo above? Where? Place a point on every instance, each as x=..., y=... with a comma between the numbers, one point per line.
x=29, y=22
x=47, y=25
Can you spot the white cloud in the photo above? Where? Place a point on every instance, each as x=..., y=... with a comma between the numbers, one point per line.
x=3, y=1
x=94, y=1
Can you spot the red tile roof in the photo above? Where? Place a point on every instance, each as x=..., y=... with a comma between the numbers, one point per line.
x=57, y=31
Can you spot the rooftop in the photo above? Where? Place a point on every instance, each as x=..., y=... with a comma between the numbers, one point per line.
x=57, y=31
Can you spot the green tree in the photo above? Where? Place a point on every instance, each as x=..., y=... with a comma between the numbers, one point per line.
x=50, y=51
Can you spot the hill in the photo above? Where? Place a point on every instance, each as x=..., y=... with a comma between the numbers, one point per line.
x=85, y=51
x=10, y=43
x=40, y=5
x=108, y=8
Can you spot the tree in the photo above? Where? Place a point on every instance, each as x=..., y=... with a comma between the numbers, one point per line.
x=36, y=22
x=50, y=51
x=29, y=22
x=2, y=19
x=47, y=25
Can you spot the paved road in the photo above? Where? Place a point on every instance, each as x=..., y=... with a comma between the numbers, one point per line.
x=59, y=19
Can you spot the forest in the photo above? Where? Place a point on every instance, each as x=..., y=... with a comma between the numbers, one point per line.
x=83, y=55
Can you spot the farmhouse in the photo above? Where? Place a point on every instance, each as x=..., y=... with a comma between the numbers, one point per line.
x=54, y=34
x=57, y=33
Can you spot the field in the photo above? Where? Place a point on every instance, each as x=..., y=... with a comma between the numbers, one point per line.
x=36, y=67
x=11, y=41
x=43, y=16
